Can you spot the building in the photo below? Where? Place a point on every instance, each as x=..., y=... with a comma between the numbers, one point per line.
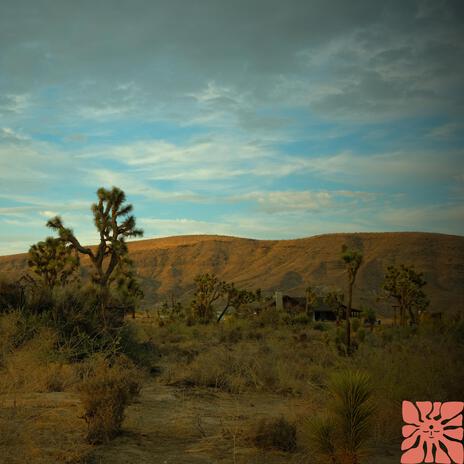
x=320, y=312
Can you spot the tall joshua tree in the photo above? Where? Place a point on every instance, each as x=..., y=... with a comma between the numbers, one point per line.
x=114, y=223
x=353, y=261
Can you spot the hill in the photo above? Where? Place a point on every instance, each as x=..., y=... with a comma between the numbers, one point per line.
x=170, y=264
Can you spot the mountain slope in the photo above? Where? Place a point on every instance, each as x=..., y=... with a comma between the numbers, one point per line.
x=170, y=264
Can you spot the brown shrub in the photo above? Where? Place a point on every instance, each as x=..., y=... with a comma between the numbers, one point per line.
x=278, y=434
x=105, y=393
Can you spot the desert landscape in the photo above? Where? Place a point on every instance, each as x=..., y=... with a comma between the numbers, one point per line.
x=167, y=380
x=231, y=232
x=169, y=265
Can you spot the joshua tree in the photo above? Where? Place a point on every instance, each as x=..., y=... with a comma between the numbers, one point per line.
x=114, y=224
x=334, y=299
x=172, y=308
x=236, y=298
x=53, y=261
x=128, y=287
x=208, y=290
x=353, y=260
x=311, y=299
x=404, y=284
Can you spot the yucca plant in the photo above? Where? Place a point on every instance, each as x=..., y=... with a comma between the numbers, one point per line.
x=342, y=436
x=353, y=410
x=322, y=435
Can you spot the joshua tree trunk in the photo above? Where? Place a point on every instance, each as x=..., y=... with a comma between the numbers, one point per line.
x=348, y=316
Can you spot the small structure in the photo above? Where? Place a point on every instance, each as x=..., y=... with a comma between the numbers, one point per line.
x=320, y=311
x=323, y=312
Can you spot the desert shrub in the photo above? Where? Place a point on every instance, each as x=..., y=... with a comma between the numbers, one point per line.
x=271, y=363
x=355, y=323
x=322, y=435
x=268, y=317
x=297, y=319
x=35, y=365
x=137, y=345
x=8, y=334
x=277, y=434
x=370, y=316
x=107, y=390
x=12, y=295
x=405, y=366
x=320, y=326
x=360, y=335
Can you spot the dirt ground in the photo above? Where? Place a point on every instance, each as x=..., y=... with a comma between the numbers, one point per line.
x=166, y=425
x=174, y=426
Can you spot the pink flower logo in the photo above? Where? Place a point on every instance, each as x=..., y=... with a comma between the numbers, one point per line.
x=433, y=432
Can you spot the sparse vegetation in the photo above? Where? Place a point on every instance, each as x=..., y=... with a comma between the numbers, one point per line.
x=70, y=337
x=353, y=260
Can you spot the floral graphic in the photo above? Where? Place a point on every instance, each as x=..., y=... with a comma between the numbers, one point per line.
x=433, y=432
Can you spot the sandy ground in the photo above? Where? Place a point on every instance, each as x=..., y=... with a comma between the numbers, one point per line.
x=166, y=425
x=173, y=426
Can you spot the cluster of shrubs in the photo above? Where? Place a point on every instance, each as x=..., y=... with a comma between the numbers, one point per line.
x=52, y=340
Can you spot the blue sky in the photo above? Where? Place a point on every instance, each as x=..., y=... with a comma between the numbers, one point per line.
x=263, y=119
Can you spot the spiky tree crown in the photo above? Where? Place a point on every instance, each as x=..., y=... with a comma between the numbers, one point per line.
x=53, y=261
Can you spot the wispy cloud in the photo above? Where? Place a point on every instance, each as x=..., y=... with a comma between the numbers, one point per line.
x=297, y=118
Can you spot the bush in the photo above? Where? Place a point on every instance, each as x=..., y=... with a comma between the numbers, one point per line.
x=12, y=295
x=276, y=433
x=361, y=335
x=135, y=343
x=297, y=319
x=320, y=326
x=355, y=323
x=105, y=394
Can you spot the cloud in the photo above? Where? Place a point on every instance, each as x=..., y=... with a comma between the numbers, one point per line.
x=48, y=214
x=324, y=112
x=150, y=60
x=7, y=133
x=447, y=130
x=157, y=227
x=272, y=202
x=396, y=168
x=433, y=218
x=14, y=103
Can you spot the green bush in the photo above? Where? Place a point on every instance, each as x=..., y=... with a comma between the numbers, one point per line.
x=355, y=323
x=320, y=326
x=12, y=295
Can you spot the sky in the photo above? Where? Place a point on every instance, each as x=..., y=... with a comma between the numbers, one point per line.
x=260, y=118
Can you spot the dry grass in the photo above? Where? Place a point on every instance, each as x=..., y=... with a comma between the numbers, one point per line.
x=219, y=386
x=42, y=429
x=240, y=357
